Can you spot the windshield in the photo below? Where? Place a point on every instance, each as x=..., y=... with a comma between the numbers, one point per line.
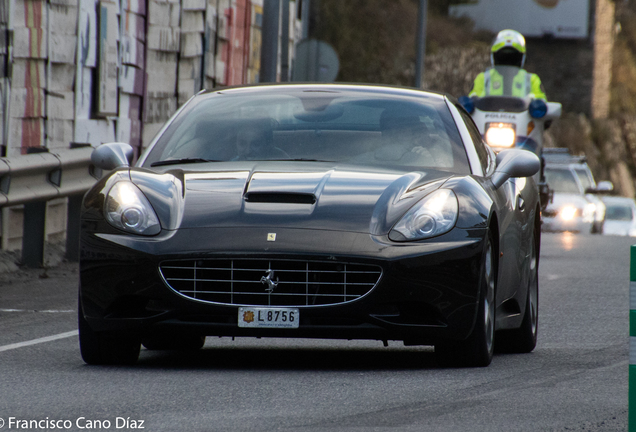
x=585, y=177
x=619, y=212
x=356, y=127
x=562, y=180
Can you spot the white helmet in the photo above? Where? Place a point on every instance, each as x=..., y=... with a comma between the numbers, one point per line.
x=508, y=49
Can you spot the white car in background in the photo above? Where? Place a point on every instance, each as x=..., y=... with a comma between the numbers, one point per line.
x=620, y=216
x=575, y=205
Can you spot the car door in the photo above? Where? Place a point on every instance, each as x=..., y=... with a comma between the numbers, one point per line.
x=512, y=212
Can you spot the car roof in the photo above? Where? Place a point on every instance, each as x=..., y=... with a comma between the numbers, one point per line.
x=618, y=200
x=371, y=88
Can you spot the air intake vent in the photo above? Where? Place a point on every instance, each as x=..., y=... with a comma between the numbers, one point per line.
x=280, y=197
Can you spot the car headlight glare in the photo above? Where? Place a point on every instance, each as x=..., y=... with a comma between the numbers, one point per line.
x=567, y=213
x=128, y=209
x=589, y=212
x=501, y=135
x=434, y=215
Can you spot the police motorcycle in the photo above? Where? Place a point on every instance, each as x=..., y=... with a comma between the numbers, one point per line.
x=507, y=121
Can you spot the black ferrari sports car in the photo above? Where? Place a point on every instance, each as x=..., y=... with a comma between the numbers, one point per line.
x=312, y=211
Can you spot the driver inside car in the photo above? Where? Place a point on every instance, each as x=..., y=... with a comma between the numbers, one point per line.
x=405, y=138
x=255, y=142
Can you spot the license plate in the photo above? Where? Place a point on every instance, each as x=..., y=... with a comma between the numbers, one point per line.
x=268, y=317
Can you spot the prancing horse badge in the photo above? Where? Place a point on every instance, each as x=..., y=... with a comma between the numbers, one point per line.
x=271, y=236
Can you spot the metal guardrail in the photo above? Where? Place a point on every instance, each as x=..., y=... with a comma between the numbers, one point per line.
x=34, y=179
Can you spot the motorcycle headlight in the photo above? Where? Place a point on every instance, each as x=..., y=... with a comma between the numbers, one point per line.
x=500, y=135
x=434, y=215
x=128, y=209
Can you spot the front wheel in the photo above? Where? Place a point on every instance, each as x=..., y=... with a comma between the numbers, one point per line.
x=478, y=349
x=106, y=348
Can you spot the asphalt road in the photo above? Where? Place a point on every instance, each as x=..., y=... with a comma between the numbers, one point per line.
x=576, y=379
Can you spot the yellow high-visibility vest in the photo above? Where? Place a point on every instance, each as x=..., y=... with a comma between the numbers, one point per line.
x=491, y=83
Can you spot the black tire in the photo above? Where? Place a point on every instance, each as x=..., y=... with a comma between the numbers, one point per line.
x=478, y=349
x=173, y=342
x=524, y=339
x=106, y=348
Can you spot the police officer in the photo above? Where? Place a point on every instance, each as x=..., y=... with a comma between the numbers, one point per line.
x=508, y=49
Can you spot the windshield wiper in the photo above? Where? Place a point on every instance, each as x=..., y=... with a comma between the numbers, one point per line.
x=181, y=161
x=300, y=159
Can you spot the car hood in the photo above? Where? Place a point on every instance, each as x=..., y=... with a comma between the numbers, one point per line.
x=309, y=196
x=615, y=227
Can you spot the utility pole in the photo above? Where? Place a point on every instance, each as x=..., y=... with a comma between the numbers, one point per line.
x=284, y=43
x=420, y=42
x=305, y=18
x=269, y=47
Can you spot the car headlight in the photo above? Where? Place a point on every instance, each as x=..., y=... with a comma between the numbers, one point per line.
x=127, y=208
x=589, y=212
x=501, y=135
x=434, y=215
x=568, y=213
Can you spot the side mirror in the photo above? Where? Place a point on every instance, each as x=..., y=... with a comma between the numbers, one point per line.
x=113, y=155
x=603, y=187
x=554, y=111
x=515, y=163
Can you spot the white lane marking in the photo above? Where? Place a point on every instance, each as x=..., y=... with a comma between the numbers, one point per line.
x=39, y=340
x=40, y=311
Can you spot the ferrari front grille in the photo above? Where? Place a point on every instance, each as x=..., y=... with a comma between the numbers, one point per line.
x=263, y=282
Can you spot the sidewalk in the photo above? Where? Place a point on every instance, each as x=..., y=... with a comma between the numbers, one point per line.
x=10, y=260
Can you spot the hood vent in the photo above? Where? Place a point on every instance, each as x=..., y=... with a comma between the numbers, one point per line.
x=280, y=197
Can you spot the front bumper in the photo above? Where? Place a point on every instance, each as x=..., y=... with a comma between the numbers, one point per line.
x=558, y=224
x=428, y=291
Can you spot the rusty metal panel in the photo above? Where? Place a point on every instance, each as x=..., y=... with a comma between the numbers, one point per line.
x=193, y=4
x=83, y=97
x=192, y=21
x=210, y=42
x=159, y=13
x=27, y=102
x=29, y=43
x=131, y=80
x=163, y=38
x=132, y=51
x=87, y=55
x=24, y=132
x=60, y=105
x=106, y=103
x=30, y=14
x=159, y=107
x=59, y=133
x=28, y=73
x=62, y=77
x=62, y=48
x=134, y=25
x=94, y=132
x=164, y=72
x=254, y=58
x=63, y=19
x=191, y=44
x=136, y=6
